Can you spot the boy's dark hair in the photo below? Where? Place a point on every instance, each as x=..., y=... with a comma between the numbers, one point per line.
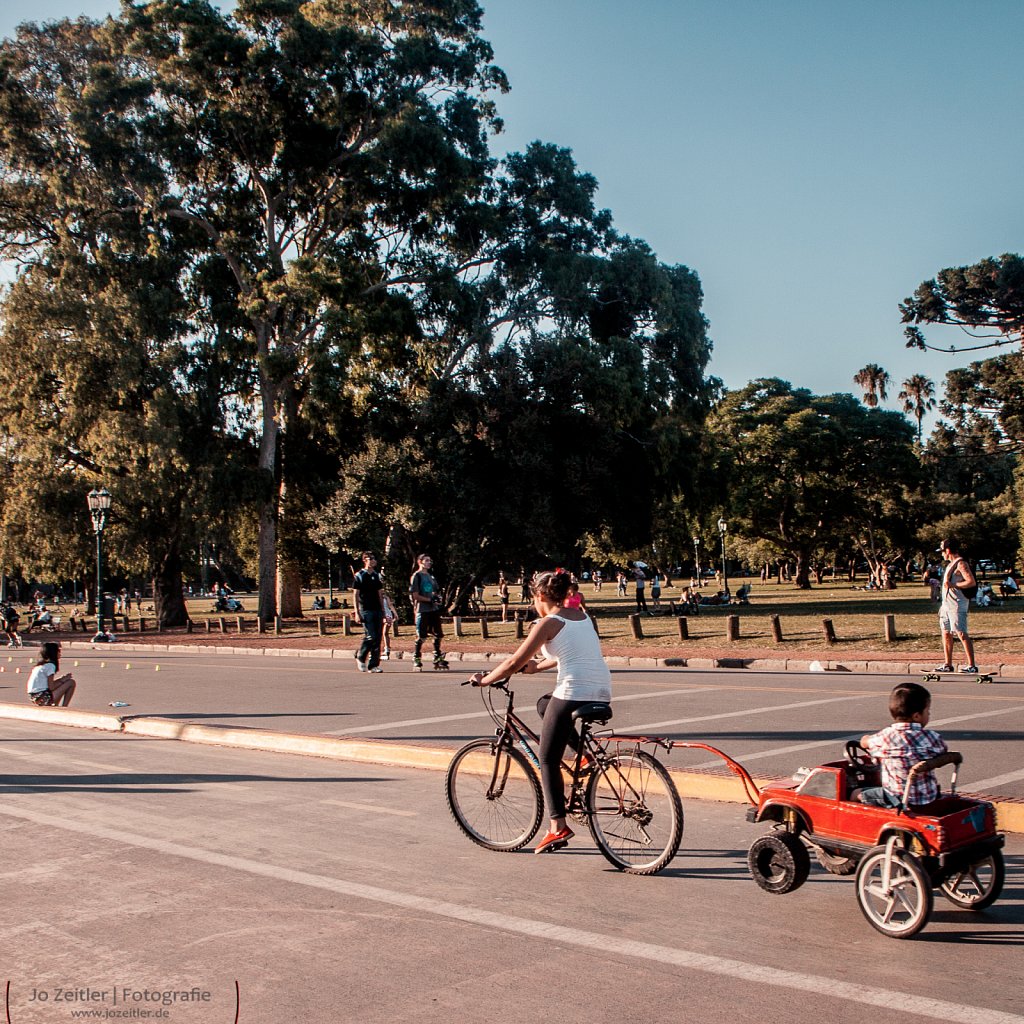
x=907, y=700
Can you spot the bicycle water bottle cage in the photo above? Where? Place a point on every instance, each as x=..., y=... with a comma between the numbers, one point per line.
x=593, y=713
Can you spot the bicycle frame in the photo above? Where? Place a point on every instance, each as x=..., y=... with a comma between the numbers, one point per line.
x=513, y=730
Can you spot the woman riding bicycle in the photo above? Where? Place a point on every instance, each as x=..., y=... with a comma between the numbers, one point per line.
x=567, y=640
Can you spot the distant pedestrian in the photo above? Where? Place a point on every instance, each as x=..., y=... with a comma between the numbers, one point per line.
x=45, y=687
x=390, y=617
x=959, y=585
x=425, y=596
x=620, y=578
x=369, y=609
x=656, y=589
x=12, y=618
x=640, y=580
x=503, y=596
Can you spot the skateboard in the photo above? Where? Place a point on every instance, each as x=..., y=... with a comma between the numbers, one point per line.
x=937, y=677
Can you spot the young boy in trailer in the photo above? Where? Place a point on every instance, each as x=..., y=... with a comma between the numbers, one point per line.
x=907, y=750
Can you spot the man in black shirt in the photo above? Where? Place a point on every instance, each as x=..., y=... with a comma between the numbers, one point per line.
x=368, y=585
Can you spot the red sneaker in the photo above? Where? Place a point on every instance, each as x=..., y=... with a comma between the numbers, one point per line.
x=555, y=841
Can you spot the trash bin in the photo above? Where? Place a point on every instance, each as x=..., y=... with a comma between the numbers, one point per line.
x=108, y=607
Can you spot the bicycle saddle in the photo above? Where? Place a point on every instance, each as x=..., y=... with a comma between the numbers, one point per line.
x=593, y=713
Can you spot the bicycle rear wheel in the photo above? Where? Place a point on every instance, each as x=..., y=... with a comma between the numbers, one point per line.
x=634, y=812
x=494, y=795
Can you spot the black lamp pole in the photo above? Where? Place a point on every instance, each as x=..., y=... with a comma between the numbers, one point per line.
x=696, y=557
x=722, y=527
x=99, y=509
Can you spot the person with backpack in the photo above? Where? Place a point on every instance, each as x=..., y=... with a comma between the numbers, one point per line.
x=959, y=585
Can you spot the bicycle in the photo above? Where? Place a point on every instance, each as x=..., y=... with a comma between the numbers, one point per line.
x=621, y=792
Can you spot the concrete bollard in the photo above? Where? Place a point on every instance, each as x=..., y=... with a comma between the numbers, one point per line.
x=776, y=629
x=890, y=628
x=520, y=628
x=684, y=628
x=223, y=624
x=732, y=627
x=277, y=625
x=209, y=625
x=142, y=624
x=240, y=624
x=457, y=625
x=483, y=627
x=828, y=631
x=635, y=626
x=346, y=625
x=321, y=629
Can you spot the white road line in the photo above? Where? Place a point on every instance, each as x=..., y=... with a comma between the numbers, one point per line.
x=984, y=785
x=410, y=722
x=380, y=726
x=756, y=974
x=372, y=808
x=839, y=741
x=750, y=711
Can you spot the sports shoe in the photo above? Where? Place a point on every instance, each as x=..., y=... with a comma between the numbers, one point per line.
x=944, y=668
x=376, y=668
x=361, y=665
x=969, y=668
x=555, y=840
x=386, y=656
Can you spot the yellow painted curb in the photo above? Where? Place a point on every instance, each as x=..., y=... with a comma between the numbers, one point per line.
x=61, y=716
x=370, y=751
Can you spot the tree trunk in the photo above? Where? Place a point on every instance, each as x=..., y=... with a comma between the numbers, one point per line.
x=168, y=597
x=289, y=579
x=267, y=540
x=289, y=590
x=802, y=579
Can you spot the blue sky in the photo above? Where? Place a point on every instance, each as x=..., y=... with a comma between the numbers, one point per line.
x=812, y=161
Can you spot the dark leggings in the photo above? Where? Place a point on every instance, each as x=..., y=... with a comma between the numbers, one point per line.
x=557, y=732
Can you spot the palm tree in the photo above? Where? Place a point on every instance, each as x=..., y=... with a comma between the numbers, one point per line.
x=917, y=398
x=874, y=380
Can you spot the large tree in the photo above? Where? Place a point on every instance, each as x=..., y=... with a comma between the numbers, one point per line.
x=806, y=473
x=316, y=150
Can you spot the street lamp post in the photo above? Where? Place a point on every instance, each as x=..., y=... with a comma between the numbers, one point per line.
x=696, y=557
x=722, y=527
x=99, y=509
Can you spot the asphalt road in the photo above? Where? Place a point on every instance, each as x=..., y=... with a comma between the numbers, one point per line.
x=341, y=892
x=772, y=722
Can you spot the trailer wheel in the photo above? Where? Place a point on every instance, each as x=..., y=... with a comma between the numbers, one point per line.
x=977, y=886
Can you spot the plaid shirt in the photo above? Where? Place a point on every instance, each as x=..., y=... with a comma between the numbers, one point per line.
x=899, y=748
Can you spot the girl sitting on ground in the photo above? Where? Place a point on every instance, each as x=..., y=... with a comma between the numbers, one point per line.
x=45, y=687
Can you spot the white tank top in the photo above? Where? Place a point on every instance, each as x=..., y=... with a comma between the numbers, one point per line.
x=582, y=672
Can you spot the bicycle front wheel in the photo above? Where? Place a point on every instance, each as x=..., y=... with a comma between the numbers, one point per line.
x=494, y=795
x=634, y=812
